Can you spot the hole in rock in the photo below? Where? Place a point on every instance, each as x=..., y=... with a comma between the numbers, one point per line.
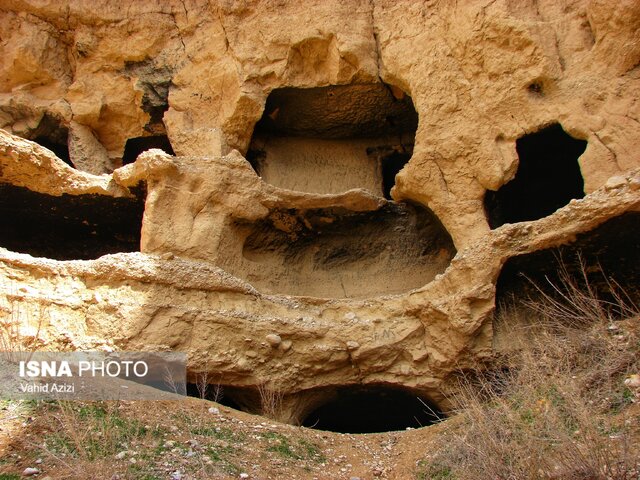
x=536, y=88
x=373, y=409
x=214, y=393
x=318, y=140
x=610, y=254
x=335, y=253
x=135, y=146
x=547, y=179
x=391, y=162
x=69, y=227
x=51, y=134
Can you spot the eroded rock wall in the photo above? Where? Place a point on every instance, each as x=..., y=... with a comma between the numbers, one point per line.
x=224, y=254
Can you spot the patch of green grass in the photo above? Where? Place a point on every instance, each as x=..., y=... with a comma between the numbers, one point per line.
x=621, y=399
x=219, y=456
x=280, y=445
x=219, y=433
x=300, y=450
x=284, y=449
x=434, y=471
x=91, y=411
x=9, y=476
x=92, y=431
x=312, y=451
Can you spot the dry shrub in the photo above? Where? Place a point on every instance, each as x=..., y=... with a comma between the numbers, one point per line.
x=84, y=437
x=555, y=407
x=19, y=332
x=270, y=401
x=208, y=390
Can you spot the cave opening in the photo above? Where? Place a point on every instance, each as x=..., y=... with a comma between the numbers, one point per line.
x=391, y=161
x=136, y=146
x=53, y=135
x=317, y=140
x=608, y=254
x=548, y=178
x=373, y=409
x=70, y=227
x=336, y=253
x=214, y=393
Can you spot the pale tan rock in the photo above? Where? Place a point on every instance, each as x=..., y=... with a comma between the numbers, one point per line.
x=27, y=164
x=216, y=264
x=273, y=339
x=86, y=152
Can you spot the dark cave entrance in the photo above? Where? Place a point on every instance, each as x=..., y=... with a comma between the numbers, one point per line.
x=319, y=140
x=373, y=409
x=70, y=227
x=547, y=179
x=214, y=393
x=610, y=254
x=390, y=166
x=53, y=135
x=135, y=146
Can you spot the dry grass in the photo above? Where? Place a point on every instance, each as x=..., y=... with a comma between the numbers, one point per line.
x=270, y=401
x=18, y=331
x=208, y=390
x=149, y=440
x=556, y=407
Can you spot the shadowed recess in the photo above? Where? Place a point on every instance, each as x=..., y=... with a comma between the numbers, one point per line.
x=610, y=253
x=335, y=253
x=212, y=392
x=138, y=145
x=51, y=134
x=373, y=409
x=69, y=227
x=331, y=139
x=547, y=179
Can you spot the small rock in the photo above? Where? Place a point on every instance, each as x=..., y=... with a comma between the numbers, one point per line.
x=177, y=475
x=38, y=461
x=169, y=444
x=273, y=339
x=286, y=345
x=214, y=410
x=352, y=345
x=350, y=316
x=244, y=475
x=633, y=381
x=27, y=472
x=121, y=455
x=615, y=182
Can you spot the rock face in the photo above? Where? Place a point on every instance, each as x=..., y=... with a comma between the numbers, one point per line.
x=267, y=248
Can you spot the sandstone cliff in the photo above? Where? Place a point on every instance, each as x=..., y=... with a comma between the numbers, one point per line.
x=266, y=231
